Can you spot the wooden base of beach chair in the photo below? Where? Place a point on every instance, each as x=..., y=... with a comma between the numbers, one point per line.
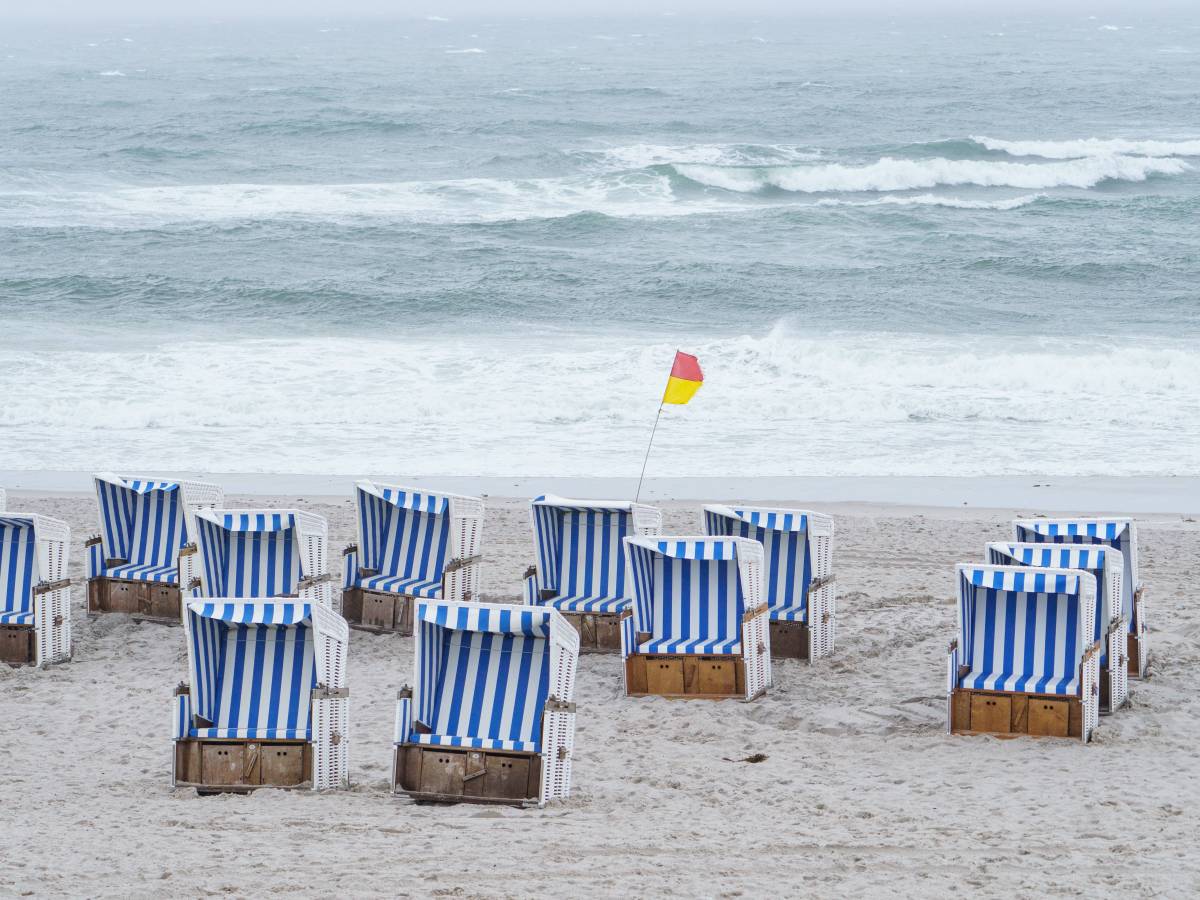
x=598, y=632
x=235, y=765
x=694, y=677
x=378, y=612
x=18, y=645
x=1000, y=713
x=789, y=640
x=1133, y=646
x=144, y=600
x=461, y=775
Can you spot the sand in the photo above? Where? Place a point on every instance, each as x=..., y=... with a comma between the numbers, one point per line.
x=861, y=793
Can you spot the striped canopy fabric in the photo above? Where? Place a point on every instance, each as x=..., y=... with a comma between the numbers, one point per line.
x=249, y=554
x=404, y=536
x=253, y=669
x=787, y=563
x=1022, y=630
x=483, y=676
x=1115, y=533
x=142, y=522
x=689, y=595
x=580, y=553
x=18, y=569
x=1087, y=558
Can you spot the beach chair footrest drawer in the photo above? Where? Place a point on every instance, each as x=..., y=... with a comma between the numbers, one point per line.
x=378, y=611
x=18, y=645
x=1003, y=713
x=598, y=632
x=146, y=600
x=233, y=765
x=789, y=640
x=699, y=677
x=464, y=775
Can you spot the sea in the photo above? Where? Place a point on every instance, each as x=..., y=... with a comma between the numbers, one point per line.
x=416, y=247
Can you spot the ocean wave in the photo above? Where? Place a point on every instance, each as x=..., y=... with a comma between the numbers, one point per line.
x=935, y=200
x=878, y=404
x=890, y=174
x=1084, y=147
x=642, y=156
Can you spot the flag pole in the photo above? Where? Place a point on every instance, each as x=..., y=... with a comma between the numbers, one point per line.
x=642, y=477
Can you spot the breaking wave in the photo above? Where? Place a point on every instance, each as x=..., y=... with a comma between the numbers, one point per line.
x=1090, y=147
x=889, y=174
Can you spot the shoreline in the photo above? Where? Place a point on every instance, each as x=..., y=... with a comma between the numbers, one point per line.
x=1075, y=494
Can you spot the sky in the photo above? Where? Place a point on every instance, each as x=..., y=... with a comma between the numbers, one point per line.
x=208, y=9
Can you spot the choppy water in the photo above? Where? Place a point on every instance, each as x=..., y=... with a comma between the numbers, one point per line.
x=429, y=247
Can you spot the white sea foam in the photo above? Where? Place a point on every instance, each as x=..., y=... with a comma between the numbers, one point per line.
x=1078, y=149
x=839, y=404
x=468, y=50
x=638, y=156
x=113, y=73
x=890, y=174
x=458, y=201
x=936, y=200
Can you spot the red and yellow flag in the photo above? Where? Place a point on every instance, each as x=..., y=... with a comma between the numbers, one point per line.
x=685, y=379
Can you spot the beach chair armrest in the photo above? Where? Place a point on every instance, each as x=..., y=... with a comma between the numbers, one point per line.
x=819, y=583
x=759, y=610
x=349, y=549
x=455, y=564
x=93, y=541
x=47, y=587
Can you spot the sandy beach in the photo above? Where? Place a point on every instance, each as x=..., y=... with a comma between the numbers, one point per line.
x=861, y=791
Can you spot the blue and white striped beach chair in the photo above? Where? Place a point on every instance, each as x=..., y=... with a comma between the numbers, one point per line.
x=35, y=595
x=1121, y=535
x=491, y=716
x=1025, y=661
x=699, y=624
x=267, y=703
x=258, y=553
x=798, y=573
x=580, y=569
x=133, y=563
x=412, y=545
x=1108, y=567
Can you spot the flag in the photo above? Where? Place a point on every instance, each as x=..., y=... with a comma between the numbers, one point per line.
x=685, y=379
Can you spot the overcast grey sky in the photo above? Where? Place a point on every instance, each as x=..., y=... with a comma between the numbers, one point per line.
x=145, y=9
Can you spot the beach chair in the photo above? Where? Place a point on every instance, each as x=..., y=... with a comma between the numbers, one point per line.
x=1108, y=567
x=798, y=577
x=1025, y=661
x=267, y=703
x=1121, y=535
x=580, y=569
x=133, y=563
x=35, y=594
x=491, y=715
x=699, y=623
x=412, y=545
x=258, y=553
